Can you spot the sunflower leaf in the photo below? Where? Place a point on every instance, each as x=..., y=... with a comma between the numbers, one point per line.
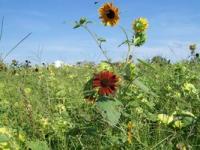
x=76, y=26
x=101, y=40
x=110, y=111
x=83, y=21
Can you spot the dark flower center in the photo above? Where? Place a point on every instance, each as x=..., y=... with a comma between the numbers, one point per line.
x=110, y=14
x=104, y=83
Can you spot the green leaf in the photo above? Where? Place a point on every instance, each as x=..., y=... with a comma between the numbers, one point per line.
x=143, y=87
x=139, y=39
x=76, y=26
x=82, y=21
x=186, y=118
x=37, y=145
x=88, y=90
x=110, y=110
x=4, y=138
x=101, y=40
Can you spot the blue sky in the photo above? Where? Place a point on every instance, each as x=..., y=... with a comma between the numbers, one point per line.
x=173, y=25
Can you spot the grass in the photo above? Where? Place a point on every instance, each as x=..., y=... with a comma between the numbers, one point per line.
x=44, y=108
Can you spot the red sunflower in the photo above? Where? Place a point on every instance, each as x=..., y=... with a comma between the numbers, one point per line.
x=106, y=81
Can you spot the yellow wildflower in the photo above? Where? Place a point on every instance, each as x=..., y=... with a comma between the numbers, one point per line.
x=165, y=119
x=140, y=25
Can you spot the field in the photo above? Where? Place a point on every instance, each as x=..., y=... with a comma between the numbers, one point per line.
x=44, y=107
x=109, y=103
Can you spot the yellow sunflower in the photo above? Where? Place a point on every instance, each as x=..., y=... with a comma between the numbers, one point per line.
x=140, y=25
x=109, y=14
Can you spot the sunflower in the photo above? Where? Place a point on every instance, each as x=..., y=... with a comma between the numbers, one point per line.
x=192, y=48
x=109, y=14
x=140, y=25
x=106, y=81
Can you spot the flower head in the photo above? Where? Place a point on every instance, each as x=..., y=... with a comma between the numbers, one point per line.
x=140, y=25
x=109, y=14
x=193, y=47
x=106, y=81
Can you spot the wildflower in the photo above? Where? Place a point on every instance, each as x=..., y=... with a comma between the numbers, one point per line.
x=129, y=133
x=188, y=87
x=14, y=62
x=109, y=14
x=61, y=108
x=130, y=125
x=192, y=48
x=165, y=119
x=183, y=119
x=139, y=110
x=178, y=124
x=140, y=25
x=27, y=91
x=44, y=122
x=106, y=81
x=6, y=131
x=129, y=72
x=104, y=66
x=22, y=137
x=182, y=146
x=129, y=137
x=177, y=95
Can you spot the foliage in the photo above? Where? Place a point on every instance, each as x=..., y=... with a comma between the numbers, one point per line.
x=151, y=105
x=40, y=107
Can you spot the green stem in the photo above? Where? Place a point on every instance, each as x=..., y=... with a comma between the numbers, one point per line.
x=128, y=43
x=1, y=32
x=97, y=42
x=100, y=47
x=11, y=50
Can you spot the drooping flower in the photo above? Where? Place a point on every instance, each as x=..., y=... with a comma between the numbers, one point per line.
x=106, y=82
x=140, y=25
x=109, y=14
